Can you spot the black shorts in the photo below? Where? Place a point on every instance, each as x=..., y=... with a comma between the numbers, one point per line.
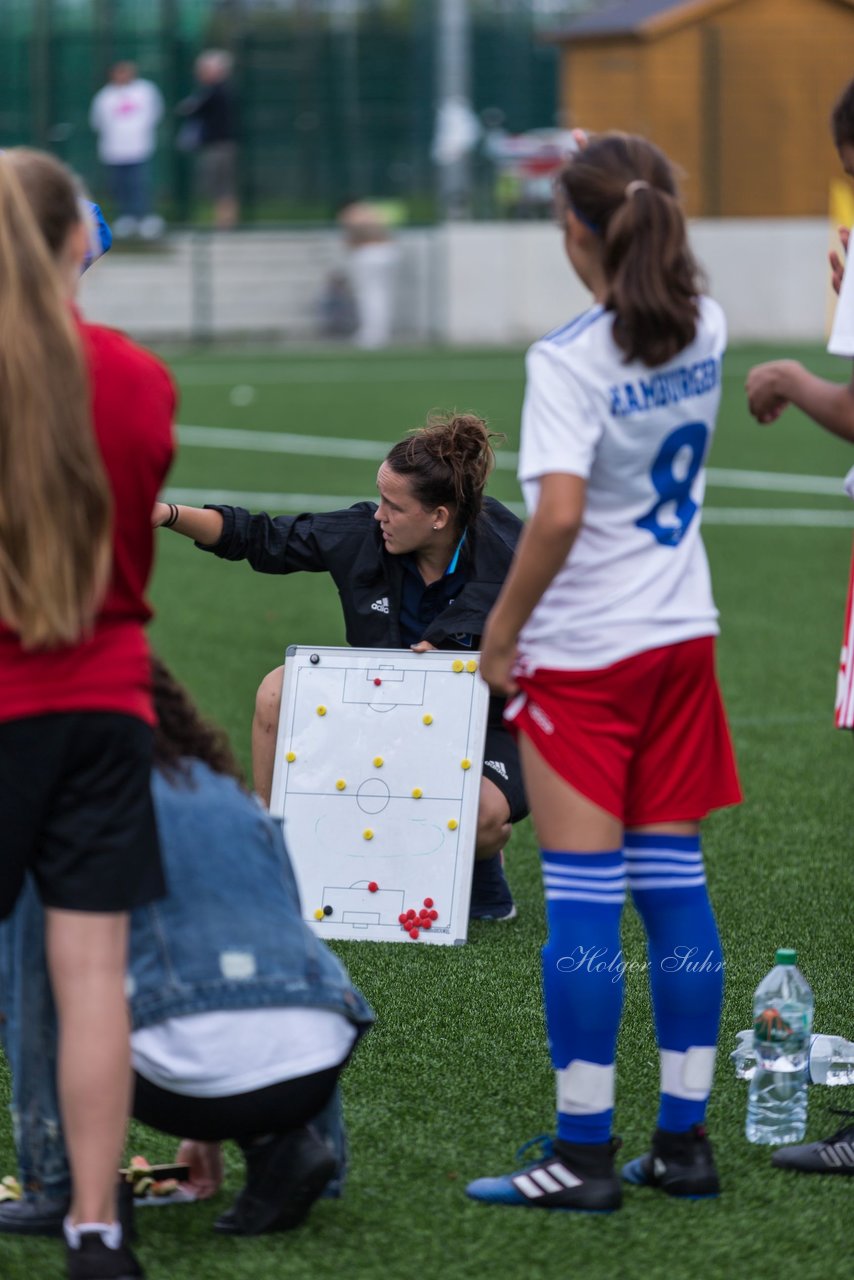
x=76, y=810
x=502, y=766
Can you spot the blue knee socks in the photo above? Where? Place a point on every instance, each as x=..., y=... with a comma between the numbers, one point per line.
x=668, y=884
x=583, y=986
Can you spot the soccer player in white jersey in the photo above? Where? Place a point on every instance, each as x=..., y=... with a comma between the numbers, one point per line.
x=605, y=631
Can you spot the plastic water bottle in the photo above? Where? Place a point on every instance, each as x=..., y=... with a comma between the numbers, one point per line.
x=831, y=1058
x=782, y=1022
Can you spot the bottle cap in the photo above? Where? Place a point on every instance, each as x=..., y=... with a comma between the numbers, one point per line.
x=786, y=955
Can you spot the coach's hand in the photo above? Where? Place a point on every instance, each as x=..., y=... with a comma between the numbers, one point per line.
x=423, y=646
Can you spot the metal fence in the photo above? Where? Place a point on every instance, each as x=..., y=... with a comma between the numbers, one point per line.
x=333, y=101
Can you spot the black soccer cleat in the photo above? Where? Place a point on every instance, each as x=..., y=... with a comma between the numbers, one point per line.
x=567, y=1175
x=831, y=1155
x=680, y=1164
x=94, y=1260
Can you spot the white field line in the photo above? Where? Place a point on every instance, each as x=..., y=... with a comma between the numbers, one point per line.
x=785, y=517
x=511, y=369
x=375, y=450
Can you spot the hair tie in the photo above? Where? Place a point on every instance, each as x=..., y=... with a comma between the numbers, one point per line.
x=636, y=185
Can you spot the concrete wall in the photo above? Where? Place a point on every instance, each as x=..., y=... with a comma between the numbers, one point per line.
x=463, y=284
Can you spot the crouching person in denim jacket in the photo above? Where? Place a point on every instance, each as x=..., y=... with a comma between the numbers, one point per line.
x=242, y=1020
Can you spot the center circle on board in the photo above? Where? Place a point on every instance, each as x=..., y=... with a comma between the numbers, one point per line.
x=373, y=795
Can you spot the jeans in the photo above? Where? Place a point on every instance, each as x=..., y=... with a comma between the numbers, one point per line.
x=130, y=186
x=29, y=1039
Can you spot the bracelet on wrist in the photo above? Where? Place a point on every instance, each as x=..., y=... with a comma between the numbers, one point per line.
x=173, y=516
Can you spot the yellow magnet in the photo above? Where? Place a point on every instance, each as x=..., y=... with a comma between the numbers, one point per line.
x=368, y=833
x=458, y=665
x=465, y=764
x=471, y=666
x=452, y=824
x=340, y=785
x=378, y=762
x=428, y=719
x=417, y=793
x=318, y=915
x=321, y=711
x=291, y=757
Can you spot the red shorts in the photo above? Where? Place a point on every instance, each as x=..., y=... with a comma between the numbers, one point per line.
x=645, y=739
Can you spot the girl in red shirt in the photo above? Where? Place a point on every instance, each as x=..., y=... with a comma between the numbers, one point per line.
x=85, y=443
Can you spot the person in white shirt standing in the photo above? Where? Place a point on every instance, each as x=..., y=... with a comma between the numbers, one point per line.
x=604, y=630
x=125, y=114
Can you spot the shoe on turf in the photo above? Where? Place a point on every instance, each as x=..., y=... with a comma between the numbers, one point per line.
x=36, y=1215
x=831, y=1155
x=491, y=898
x=94, y=1260
x=285, y=1174
x=680, y=1164
x=567, y=1175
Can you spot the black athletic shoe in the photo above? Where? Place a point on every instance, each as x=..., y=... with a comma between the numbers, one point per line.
x=285, y=1174
x=681, y=1164
x=832, y=1155
x=567, y=1175
x=491, y=898
x=95, y=1261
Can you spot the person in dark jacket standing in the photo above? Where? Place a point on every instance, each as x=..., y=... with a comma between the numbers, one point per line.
x=421, y=568
x=210, y=129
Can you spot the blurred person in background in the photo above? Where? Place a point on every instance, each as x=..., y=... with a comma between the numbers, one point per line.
x=209, y=129
x=372, y=258
x=124, y=115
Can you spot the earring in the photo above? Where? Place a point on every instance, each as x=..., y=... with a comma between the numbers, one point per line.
x=435, y=527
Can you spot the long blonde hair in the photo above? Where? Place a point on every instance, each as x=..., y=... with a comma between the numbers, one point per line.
x=55, y=501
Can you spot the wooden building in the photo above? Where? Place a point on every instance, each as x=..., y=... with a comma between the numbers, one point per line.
x=737, y=92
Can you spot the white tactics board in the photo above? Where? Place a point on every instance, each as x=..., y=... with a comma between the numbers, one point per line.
x=377, y=777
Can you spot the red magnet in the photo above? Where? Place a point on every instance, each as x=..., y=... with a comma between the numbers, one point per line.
x=410, y=915
x=434, y=915
x=423, y=913
x=427, y=924
x=377, y=680
x=402, y=917
x=373, y=886
x=428, y=902
x=413, y=933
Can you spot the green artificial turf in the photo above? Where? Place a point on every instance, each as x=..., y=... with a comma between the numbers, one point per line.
x=456, y=1074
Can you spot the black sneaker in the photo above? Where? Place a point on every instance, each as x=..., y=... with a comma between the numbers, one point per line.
x=831, y=1155
x=285, y=1174
x=94, y=1260
x=568, y=1175
x=491, y=898
x=681, y=1164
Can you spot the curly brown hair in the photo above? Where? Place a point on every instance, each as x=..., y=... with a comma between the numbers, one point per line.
x=448, y=463
x=182, y=734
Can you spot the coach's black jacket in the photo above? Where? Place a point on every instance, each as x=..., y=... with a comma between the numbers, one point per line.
x=348, y=545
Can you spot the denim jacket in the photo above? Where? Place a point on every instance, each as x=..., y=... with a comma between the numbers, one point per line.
x=229, y=935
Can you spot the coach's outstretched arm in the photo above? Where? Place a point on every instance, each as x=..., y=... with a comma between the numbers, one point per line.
x=202, y=524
